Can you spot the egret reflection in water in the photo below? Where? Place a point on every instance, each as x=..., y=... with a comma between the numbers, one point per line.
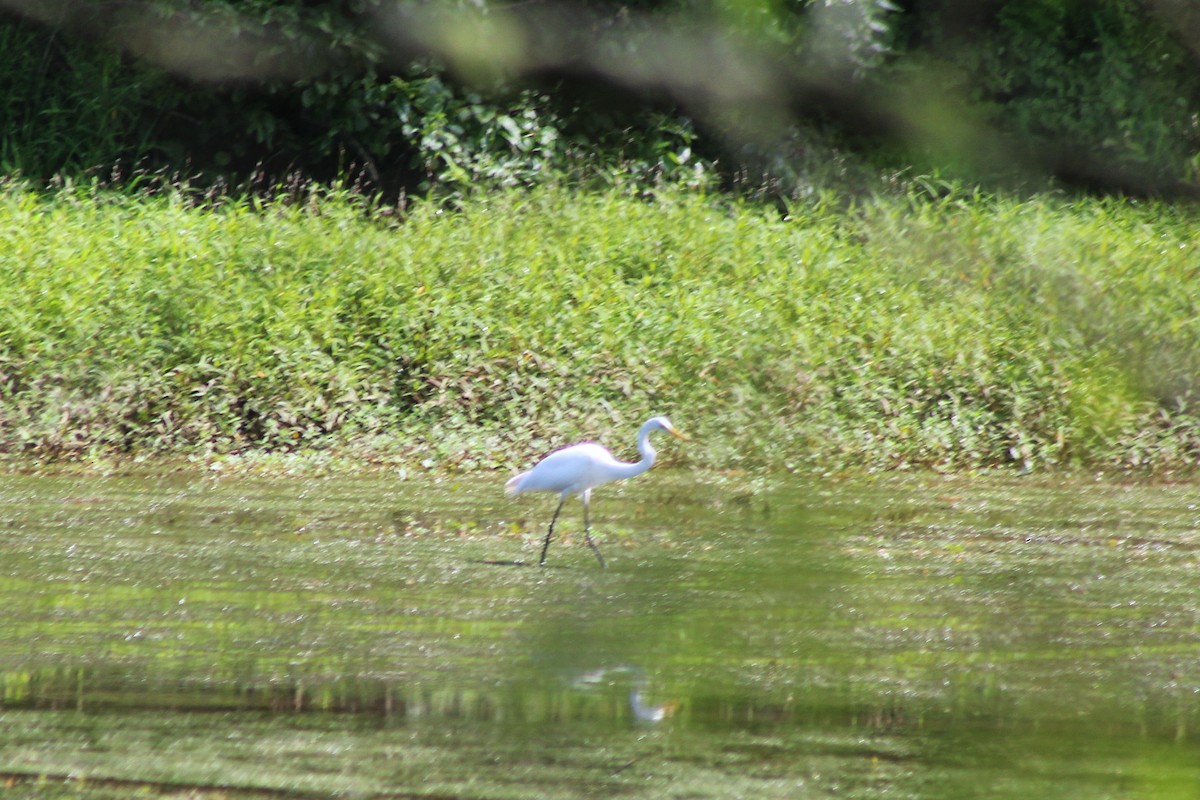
x=637, y=682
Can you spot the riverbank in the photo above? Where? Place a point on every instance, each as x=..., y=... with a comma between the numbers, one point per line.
x=956, y=333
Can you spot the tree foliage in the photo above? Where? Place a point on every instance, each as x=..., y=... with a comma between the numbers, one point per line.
x=421, y=97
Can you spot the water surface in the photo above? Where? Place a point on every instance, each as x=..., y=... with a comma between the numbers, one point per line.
x=899, y=637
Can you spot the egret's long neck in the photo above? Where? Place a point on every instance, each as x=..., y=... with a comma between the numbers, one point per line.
x=648, y=454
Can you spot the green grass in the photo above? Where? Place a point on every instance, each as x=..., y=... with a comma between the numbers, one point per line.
x=964, y=332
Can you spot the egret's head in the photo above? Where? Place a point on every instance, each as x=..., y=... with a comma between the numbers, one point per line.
x=664, y=424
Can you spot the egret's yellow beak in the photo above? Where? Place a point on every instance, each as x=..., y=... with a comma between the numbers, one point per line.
x=678, y=435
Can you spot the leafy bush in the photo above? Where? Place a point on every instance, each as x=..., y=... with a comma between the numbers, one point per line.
x=960, y=332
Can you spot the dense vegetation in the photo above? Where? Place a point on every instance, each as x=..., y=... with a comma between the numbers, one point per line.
x=1099, y=94
x=209, y=242
x=963, y=331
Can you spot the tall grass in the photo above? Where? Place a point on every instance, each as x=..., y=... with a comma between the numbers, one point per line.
x=961, y=332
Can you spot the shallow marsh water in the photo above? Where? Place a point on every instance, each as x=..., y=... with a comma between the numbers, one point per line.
x=371, y=637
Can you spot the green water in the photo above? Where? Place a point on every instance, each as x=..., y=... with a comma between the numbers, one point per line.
x=370, y=637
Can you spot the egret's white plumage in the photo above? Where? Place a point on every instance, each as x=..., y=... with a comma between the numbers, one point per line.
x=578, y=469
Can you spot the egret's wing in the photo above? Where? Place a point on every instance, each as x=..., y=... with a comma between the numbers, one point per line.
x=572, y=469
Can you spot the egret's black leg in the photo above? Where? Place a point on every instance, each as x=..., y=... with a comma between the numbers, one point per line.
x=588, y=536
x=549, y=533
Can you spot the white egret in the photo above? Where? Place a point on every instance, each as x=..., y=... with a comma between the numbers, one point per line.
x=578, y=469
